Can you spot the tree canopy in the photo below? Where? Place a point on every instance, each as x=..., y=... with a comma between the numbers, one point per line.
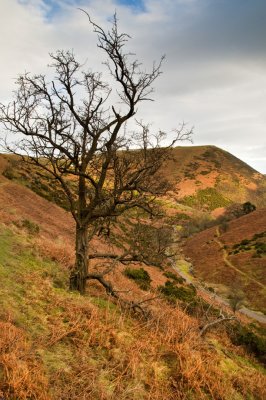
x=68, y=127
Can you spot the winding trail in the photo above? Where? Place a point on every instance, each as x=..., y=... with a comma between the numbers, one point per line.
x=229, y=263
x=216, y=298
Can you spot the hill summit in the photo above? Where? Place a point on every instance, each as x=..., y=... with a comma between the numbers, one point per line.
x=207, y=177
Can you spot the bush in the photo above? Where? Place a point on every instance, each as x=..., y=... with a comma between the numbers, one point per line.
x=171, y=275
x=224, y=226
x=248, y=207
x=31, y=226
x=259, y=235
x=140, y=276
x=254, y=343
x=173, y=292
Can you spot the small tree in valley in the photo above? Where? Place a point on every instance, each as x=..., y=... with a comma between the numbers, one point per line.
x=68, y=128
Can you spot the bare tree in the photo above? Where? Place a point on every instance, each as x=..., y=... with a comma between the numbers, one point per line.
x=68, y=128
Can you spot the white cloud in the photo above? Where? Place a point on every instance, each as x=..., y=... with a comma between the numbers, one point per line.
x=214, y=74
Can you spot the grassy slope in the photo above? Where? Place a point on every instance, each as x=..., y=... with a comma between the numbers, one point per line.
x=205, y=251
x=59, y=345
x=204, y=177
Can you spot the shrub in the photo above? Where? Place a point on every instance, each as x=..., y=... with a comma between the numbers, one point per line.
x=182, y=217
x=259, y=235
x=173, y=292
x=224, y=226
x=31, y=226
x=171, y=275
x=254, y=343
x=140, y=276
x=248, y=207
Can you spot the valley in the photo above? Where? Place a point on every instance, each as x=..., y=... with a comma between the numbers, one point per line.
x=203, y=259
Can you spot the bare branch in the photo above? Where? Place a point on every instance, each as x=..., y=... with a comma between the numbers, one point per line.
x=67, y=127
x=221, y=320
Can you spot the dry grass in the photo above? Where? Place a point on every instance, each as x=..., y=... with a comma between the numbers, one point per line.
x=55, y=250
x=22, y=375
x=90, y=349
x=58, y=345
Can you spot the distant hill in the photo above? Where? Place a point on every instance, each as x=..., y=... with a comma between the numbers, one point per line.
x=207, y=178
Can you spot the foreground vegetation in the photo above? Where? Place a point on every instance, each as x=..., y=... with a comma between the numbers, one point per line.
x=59, y=345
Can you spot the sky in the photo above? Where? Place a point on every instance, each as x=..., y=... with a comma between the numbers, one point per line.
x=214, y=74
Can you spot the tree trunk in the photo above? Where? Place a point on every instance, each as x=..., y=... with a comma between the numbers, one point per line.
x=79, y=274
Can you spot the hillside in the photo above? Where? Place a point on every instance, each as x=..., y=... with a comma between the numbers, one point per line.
x=207, y=178
x=59, y=345
x=204, y=178
x=232, y=257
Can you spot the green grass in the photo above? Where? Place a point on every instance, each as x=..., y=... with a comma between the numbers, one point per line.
x=96, y=350
x=174, y=277
x=208, y=198
x=184, y=266
x=21, y=272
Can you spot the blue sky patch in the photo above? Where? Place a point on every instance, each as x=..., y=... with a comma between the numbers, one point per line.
x=53, y=8
x=57, y=6
x=137, y=5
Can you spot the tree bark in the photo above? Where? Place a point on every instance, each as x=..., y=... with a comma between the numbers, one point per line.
x=80, y=271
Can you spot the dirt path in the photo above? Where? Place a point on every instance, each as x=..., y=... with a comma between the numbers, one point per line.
x=215, y=298
x=218, y=299
x=229, y=263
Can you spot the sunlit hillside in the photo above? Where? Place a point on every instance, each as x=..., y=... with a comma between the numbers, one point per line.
x=59, y=345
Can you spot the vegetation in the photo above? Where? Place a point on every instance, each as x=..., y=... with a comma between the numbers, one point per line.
x=140, y=276
x=248, y=207
x=208, y=198
x=174, y=277
x=81, y=142
x=59, y=345
x=173, y=292
x=253, y=342
x=236, y=299
x=258, y=247
x=39, y=182
x=31, y=226
x=55, y=344
x=205, y=172
x=197, y=224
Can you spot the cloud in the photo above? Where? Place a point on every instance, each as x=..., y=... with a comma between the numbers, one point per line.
x=213, y=76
